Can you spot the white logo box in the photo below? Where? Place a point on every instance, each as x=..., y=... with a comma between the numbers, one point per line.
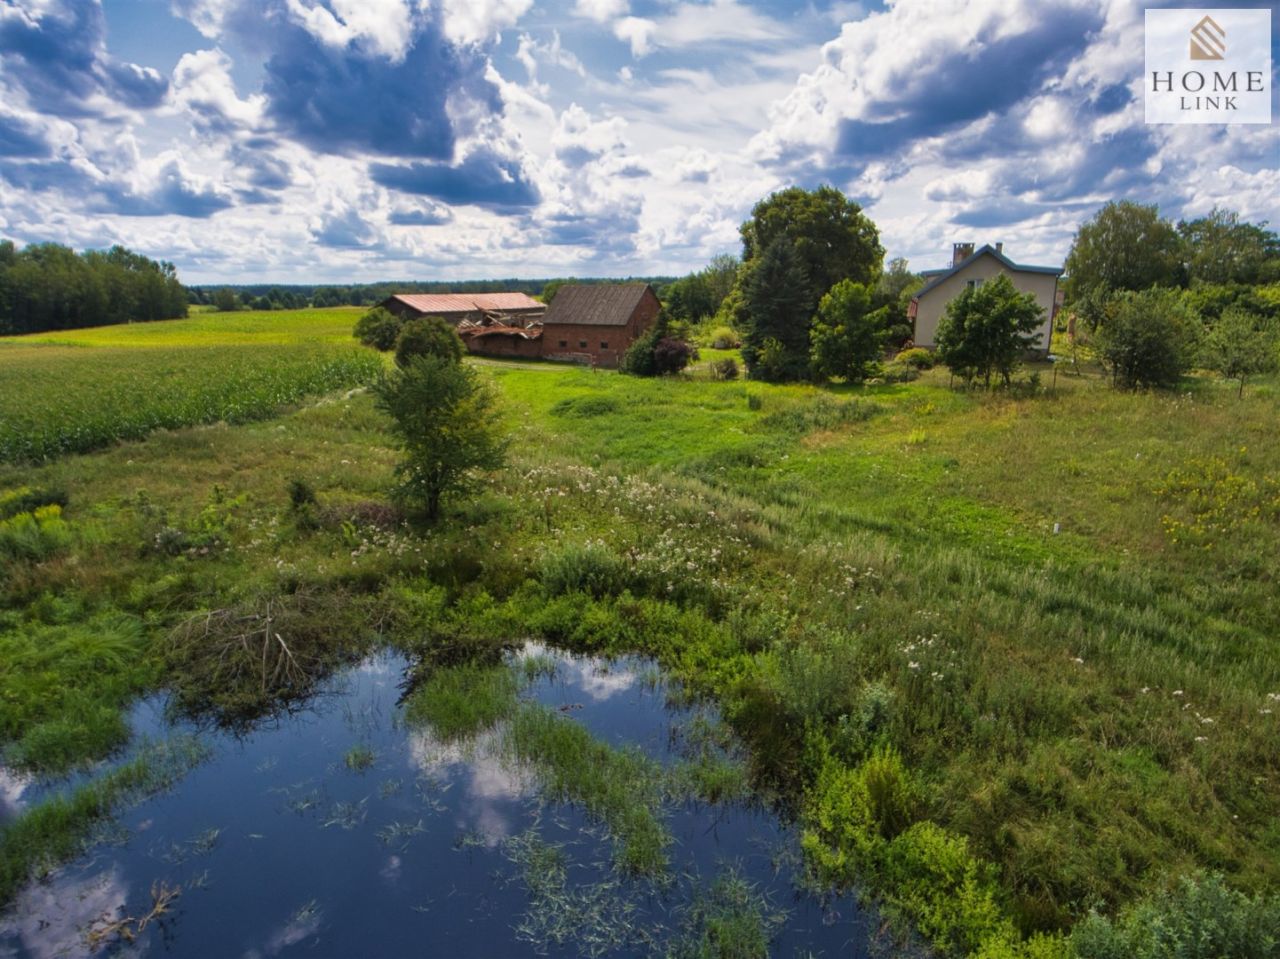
x=1182, y=88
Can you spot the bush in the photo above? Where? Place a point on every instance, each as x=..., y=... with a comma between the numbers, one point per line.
x=896, y=372
x=917, y=357
x=588, y=568
x=34, y=536
x=1198, y=919
x=428, y=336
x=378, y=328
x=672, y=356
x=1147, y=338
x=656, y=353
x=723, y=338
x=846, y=338
x=726, y=369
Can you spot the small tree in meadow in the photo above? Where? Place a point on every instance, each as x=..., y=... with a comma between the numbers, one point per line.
x=847, y=336
x=444, y=420
x=378, y=328
x=986, y=330
x=1242, y=345
x=1148, y=338
x=226, y=300
x=428, y=336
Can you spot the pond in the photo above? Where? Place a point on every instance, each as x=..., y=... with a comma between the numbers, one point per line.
x=346, y=830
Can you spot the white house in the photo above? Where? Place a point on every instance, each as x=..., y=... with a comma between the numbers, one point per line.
x=972, y=268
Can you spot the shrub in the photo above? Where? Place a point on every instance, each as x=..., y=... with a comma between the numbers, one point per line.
x=588, y=568
x=24, y=499
x=917, y=357
x=428, y=336
x=1200, y=918
x=897, y=372
x=723, y=338
x=726, y=369
x=34, y=536
x=378, y=328
x=1148, y=338
x=657, y=352
x=847, y=337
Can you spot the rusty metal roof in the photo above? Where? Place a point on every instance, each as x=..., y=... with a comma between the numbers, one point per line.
x=595, y=304
x=444, y=303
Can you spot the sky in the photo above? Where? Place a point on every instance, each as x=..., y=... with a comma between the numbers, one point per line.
x=306, y=141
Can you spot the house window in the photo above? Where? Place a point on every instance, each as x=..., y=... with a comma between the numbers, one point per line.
x=582, y=344
x=564, y=343
x=604, y=346
x=973, y=284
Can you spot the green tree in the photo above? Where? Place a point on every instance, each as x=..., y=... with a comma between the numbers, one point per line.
x=378, y=328
x=443, y=418
x=225, y=300
x=833, y=239
x=1126, y=246
x=776, y=301
x=1148, y=338
x=428, y=336
x=1241, y=345
x=893, y=292
x=847, y=337
x=987, y=330
x=1221, y=249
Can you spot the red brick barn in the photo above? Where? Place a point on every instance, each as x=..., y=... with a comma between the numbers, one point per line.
x=596, y=322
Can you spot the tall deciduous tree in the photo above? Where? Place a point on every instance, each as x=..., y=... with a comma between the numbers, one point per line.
x=1126, y=246
x=986, y=331
x=443, y=418
x=833, y=239
x=777, y=304
x=848, y=336
x=1221, y=249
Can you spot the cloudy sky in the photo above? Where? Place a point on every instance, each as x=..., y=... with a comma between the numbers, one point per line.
x=318, y=140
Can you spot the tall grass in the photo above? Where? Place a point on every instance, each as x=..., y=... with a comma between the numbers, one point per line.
x=60, y=400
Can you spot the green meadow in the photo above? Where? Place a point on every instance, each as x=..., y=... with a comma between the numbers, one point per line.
x=1009, y=659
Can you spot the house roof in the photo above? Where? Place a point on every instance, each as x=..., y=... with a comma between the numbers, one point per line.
x=937, y=276
x=595, y=304
x=435, y=303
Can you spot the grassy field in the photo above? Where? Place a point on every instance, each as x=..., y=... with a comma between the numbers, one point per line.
x=1009, y=658
x=84, y=389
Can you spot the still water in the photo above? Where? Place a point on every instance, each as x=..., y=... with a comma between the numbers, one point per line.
x=278, y=847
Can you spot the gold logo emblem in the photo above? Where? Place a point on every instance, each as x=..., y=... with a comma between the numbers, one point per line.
x=1208, y=40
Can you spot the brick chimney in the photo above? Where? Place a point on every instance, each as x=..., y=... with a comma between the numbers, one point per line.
x=999, y=247
x=960, y=252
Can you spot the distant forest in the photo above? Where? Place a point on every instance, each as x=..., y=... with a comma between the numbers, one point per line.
x=46, y=286
x=278, y=296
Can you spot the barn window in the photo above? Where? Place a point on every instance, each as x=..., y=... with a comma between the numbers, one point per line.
x=564, y=343
x=582, y=344
x=604, y=346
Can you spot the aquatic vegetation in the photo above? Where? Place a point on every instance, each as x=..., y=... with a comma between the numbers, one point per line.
x=461, y=701
x=730, y=919
x=359, y=758
x=63, y=688
x=595, y=918
x=56, y=829
x=620, y=787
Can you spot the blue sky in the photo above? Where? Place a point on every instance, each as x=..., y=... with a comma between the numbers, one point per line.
x=341, y=140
